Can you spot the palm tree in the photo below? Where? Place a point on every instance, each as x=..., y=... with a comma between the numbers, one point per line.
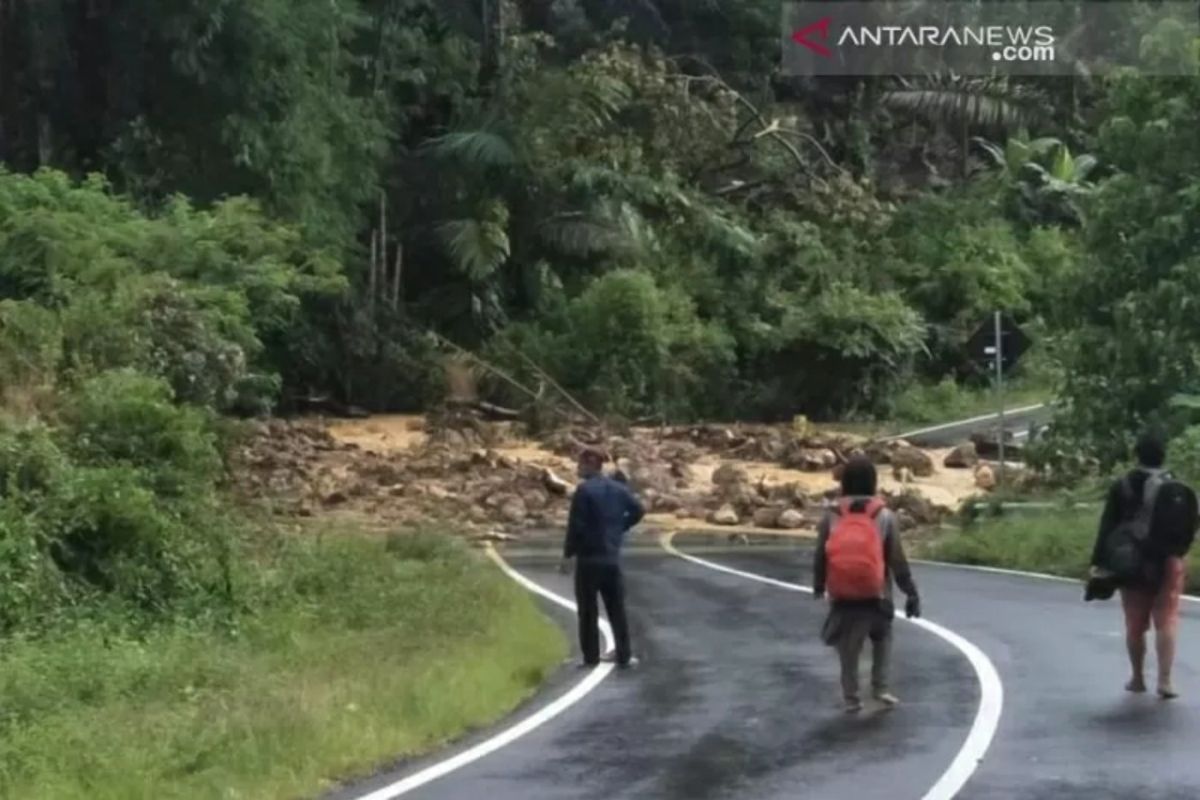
x=965, y=103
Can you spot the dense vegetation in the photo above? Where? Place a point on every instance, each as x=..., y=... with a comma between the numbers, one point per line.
x=221, y=208
x=629, y=196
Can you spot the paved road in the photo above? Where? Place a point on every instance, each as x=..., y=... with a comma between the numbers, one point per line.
x=736, y=698
x=1017, y=422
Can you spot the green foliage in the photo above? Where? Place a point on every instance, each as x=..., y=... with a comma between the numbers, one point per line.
x=122, y=418
x=1133, y=342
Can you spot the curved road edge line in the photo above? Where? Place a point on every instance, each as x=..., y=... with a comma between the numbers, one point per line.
x=1016, y=573
x=516, y=731
x=991, y=690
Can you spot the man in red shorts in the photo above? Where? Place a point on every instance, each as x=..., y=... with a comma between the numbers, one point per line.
x=1155, y=599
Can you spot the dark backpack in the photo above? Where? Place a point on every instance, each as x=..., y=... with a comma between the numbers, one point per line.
x=1173, y=521
x=1126, y=550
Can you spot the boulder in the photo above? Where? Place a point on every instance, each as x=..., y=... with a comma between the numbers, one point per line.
x=729, y=475
x=965, y=456
x=810, y=459
x=985, y=478
x=791, y=519
x=666, y=504
x=918, y=461
x=536, y=499
x=767, y=517
x=725, y=515
x=554, y=484
x=513, y=510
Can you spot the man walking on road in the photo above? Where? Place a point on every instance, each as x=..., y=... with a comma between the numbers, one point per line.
x=858, y=556
x=602, y=512
x=1145, y=531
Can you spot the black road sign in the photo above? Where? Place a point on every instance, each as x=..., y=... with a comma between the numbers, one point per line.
x=982, y=344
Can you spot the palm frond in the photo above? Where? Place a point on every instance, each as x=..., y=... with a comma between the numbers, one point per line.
x=577, y=234
x=480, y=148
x=478, y=248
x=980, y=103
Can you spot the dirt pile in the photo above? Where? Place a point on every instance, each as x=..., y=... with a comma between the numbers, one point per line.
x=302, y=469
x=484, y=477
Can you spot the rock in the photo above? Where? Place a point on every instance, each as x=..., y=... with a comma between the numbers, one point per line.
x=810, y=459
x=965, y=456
x=666, y=504
x=335, y=499
x=725, y=515
x=985, y=478
x=438, y=492
x=554, y=484
x=918, y=461
x=513, y=510
x=902, y=474
x=536, y=499
x=739, y=538
x=767, y=517
x=496, y=536
x=646, y=475
x=791, y=519
x=729, y=475
x=499, y=499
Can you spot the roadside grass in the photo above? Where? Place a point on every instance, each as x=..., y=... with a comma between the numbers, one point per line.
x=924, y=404
x=363, y=653
x=1056, y=542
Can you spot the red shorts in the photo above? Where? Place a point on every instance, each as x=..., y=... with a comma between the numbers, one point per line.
x=1162, y=606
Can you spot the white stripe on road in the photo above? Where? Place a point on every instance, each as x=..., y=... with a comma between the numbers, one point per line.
x=511, y=734
x=1017, y=573
x=991, y=690
x=961, y=422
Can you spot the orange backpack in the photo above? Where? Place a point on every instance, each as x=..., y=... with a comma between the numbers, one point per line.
x=854, y=553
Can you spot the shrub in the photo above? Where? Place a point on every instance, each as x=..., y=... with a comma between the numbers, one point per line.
x=124, y=418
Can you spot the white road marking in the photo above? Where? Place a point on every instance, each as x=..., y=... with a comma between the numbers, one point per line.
x=971, y=421
x=991, y=690
x=1041, y=576
x=516, y=731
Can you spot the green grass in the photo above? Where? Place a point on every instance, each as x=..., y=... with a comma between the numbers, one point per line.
x=1054, y=542
x=364, y=653
x=922, y=404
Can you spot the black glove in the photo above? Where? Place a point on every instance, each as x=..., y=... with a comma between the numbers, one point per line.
x=912, y=608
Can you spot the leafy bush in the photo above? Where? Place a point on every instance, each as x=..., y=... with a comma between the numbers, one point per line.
x=128, y=419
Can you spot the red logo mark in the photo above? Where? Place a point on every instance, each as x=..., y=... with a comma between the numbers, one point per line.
x=821, y=29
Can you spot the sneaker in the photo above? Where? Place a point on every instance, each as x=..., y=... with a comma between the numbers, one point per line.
x=630, y=664
x=1167, y=692
x=853, y=705
x=1136, y=685
x=888, y=699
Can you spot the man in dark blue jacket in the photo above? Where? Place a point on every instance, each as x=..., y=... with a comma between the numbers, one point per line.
x=602, y=512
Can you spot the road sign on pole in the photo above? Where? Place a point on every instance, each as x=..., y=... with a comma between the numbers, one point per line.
x=999, y=344
x=1010, y=343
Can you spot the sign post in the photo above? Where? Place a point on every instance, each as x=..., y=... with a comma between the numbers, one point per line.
x=999, y=347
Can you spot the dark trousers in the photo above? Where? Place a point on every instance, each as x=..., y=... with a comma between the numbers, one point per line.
x=606, y=581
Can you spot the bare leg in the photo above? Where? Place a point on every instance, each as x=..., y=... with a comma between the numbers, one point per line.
x=1164, y=641
x=1136, y=644
x=1137, y=607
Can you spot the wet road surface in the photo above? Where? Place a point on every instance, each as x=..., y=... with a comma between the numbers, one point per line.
x=737, y=698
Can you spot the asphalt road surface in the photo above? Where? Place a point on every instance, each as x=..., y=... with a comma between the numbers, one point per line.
x=737, y=698
x=1017, y=423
